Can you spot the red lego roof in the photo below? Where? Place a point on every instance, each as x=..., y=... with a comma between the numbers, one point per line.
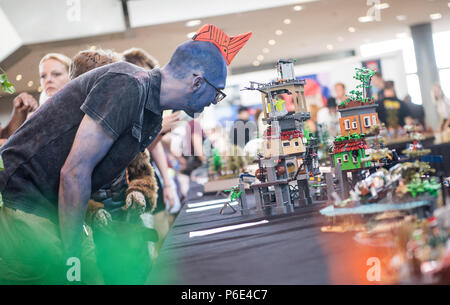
x=349, y=145
x=290, y=134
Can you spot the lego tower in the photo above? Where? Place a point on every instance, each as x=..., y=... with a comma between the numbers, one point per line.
x=289, y=158
x=358, y=115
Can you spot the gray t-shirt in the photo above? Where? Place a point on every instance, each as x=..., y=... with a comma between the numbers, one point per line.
x=121, y=97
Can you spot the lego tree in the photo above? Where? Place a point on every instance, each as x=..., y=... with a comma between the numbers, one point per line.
x=362, y=90
x=216, y=164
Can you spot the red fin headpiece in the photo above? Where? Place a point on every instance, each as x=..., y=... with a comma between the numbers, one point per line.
x=229, y=46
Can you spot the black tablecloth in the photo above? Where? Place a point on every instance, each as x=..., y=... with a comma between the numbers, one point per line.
x=290, y=249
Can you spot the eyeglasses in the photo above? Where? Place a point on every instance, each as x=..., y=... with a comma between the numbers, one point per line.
x=220, y=95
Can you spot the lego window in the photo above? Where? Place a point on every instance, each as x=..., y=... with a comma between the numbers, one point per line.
x=338, y=160
x=355, y=159
x=345, y=156
x=374, y=120
x=296, y=143
x=347, y=124
x=286, y=144
x=366, y=121
x=354, y=125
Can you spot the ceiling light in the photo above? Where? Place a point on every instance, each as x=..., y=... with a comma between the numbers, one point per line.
x=448, y=4
x=382, y=6
x=93, y=48
x=30, y=83
x=39, y=89
x=401, y=17
x=19, y=77
x=265, y=50
x=435, y=16
x=351, y=29
x=330, y=47
x=190, y=35
x=192, y=23
x=287, y=21
x=271, y=42
x=260, y=57
x=364, y=19
x=298, y=8
x=279, y=32
x=256, y=63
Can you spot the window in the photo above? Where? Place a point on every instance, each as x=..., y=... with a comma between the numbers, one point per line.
x=374, y=120
x=338, y=160
x=354, y=125
x=366, y=121
x=286, y=144
x=355, y=159
x=347, y=124
x=345, y=156
x=296, y=143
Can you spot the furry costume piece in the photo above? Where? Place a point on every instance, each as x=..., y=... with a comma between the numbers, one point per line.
x=141, y=194
x=142, y=179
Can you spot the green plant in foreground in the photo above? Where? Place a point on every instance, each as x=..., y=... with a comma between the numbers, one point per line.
x=5, y=84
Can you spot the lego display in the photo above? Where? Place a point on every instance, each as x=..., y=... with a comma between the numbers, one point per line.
x=289, y=157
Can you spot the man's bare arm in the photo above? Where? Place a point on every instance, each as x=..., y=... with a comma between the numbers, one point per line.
x=89, y=147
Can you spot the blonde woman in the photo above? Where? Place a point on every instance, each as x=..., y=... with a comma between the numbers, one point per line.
x=53, y=73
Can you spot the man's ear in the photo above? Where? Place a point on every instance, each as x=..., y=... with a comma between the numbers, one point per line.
x=197, y=83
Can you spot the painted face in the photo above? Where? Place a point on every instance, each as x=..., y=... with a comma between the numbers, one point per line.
x=205, y=95
x=53, y=75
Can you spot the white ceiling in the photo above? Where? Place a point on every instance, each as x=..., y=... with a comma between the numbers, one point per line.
x=321, y=27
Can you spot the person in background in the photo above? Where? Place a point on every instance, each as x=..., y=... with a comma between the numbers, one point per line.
x=23, y=104
x=391, y=110
x=193, y=154
x=53, y=73
x=377, y=90
x=258, y=116
x=87, y=60
x=328, y=116
x=242, y=131
x=443, y=106
x=416, y=112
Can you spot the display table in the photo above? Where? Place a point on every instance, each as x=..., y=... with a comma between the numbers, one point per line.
x=288, y=249
x=438, y=149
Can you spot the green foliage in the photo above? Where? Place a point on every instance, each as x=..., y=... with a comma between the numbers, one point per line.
x=2, y=167
x=364, y=76
x=217, y=160
x=235, y=193
x=417, y=187
x=5, y=84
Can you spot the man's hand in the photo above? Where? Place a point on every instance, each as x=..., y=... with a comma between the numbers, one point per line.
x=169, y=121
x=25, y=103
